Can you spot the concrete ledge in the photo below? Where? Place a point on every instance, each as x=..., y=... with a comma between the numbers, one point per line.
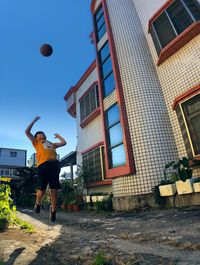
x=141, y=201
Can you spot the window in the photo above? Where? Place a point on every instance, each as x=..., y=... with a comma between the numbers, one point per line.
x=89, y=102
x=7, y=172
x=100, y=24
x=191, y=109
x=2, y=172
x=116, y=151
x=173, y=21
x=92, y=163
x=13, y=154
x=106, y=69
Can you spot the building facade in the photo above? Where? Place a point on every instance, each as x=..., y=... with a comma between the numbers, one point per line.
x=10, y=159
x=137, y=107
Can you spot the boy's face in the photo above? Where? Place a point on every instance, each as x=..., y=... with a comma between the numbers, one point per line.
x=41, y=137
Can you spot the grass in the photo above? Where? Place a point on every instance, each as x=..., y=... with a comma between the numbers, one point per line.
x=99, y=259
x=23, y=225
x=2, y=263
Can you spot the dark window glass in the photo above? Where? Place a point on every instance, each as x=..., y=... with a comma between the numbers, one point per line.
x=89, y=103
x=101, y=32
x=93, y=104
x=117, y=156
x=112, y=116
x=191, y=110
x=99, y=14
x=155, y=40
x=164, y=30
x=107, y=67
x=116, y=152
x=194, y=8
x=179, y=16
x=104, y=52
x=92, y=163
x=108, y=85
x=115, y=135
x=173, y=21
x=100, y=22
x=13, y=154
x=82, y=109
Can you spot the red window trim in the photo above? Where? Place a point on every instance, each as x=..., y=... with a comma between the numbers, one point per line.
x=92, y=147
x=130, y=166
x=191, y=92
x=72, y=110
x=101, y=183
x=90, y=117
x=159, y=12
x=81, y=81
x=181, y=40
x=88, y=90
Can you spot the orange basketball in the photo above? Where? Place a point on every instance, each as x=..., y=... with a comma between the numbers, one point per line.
x=46, y=50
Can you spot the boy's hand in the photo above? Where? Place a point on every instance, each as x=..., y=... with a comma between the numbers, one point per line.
x=56, y=135
x=36, y=118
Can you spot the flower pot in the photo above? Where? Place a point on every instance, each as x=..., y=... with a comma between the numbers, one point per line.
x=70, y=207
x=3, y=225
x=167, y=190
x=75, y=207
x=196, y=186
x=184, y=187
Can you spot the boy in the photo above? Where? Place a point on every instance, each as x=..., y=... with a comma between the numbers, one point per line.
x=48, y=167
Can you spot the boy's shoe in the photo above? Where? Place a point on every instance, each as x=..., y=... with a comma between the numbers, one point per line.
x=37, y=208
x=52, y=215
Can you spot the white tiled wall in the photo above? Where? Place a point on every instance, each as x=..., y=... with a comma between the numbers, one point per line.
x=178, y=73
x=151, y=134
x=92, y=133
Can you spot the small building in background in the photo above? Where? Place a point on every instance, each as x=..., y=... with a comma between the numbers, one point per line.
x=10, y=159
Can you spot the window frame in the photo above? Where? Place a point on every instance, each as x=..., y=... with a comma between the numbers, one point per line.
x=109, y=147
x=101, y=162
x=111, y=72
x=185, y=119
x=98, y=29
x=83, y=99
x=164, y=52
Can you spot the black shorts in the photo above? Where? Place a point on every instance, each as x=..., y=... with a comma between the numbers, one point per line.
x=48, y=173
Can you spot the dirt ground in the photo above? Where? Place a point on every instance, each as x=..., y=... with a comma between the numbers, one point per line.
x=155, y=237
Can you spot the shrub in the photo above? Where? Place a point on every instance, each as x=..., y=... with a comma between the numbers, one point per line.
x=7, y=210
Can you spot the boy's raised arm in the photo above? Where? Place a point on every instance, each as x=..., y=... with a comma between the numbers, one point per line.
x=62, y=141
x=28, y=129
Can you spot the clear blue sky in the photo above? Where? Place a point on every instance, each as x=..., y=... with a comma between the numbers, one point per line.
x=31, y=84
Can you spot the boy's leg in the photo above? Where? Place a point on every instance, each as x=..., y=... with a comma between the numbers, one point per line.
x=39, y=196
x=53, y=194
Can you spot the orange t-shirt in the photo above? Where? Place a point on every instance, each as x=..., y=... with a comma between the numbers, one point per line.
x=44, y=151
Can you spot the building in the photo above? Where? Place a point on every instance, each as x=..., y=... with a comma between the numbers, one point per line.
x=137, y=107
x=10, y=159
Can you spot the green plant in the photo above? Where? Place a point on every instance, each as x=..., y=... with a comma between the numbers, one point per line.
x=182, y=169
x=99, y=259
x=157, y=198
x=2, y=263
x=105, y=204
x=28, y=228
x=7, y=210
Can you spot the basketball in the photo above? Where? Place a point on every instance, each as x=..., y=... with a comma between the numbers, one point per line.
x=46, y=50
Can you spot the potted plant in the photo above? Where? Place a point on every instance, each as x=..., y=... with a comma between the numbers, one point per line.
x=167, y=187
x=184, y=172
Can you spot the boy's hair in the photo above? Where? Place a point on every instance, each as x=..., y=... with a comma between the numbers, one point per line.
x=39, y=132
